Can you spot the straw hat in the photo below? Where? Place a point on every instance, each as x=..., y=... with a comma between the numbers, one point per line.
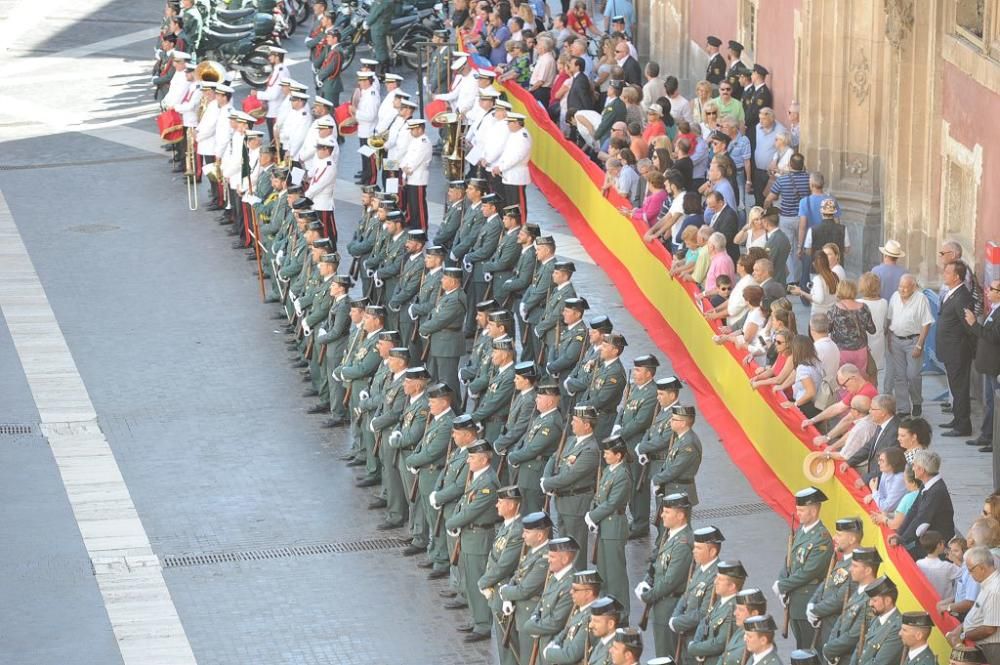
x=818, y=467
x=893, y=249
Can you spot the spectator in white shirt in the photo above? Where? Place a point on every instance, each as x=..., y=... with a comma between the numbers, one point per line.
x=982, y=622
x=680, y=107
x=653, y=88
x=909, y=321
x=942, y=574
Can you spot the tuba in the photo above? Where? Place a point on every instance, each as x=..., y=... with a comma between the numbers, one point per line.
x=453, y=152
x=208, y=71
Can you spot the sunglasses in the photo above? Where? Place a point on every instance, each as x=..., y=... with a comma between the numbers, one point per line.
x=995, y=289
x=711, y=113
x=944, y=251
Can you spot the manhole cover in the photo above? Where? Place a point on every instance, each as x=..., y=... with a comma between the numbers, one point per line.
x=207, y=558
x=93, y=228
x=736, y=510
x=12, y=429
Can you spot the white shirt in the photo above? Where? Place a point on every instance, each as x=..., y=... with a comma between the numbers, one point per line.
x=680, y=108
x=321, y=186
x=513, y=163
x=885, y=617
x=205, y=132
x=737, y=306
x=178, y=86
x=367, y=112
x=757, y=657
x=909, y=317
x=386, y=110
x=294, y=130
x=271, y=94
x=709, y=564
x=476, y=474
x=188, y=106
x=913, y=653
x=223, y=131
x=417, y=160
x=986, y=610
x=562, y=573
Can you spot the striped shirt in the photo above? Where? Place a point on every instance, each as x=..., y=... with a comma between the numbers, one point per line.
x=791, y=188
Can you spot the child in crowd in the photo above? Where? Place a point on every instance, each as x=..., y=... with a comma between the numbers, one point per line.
x=941, y=573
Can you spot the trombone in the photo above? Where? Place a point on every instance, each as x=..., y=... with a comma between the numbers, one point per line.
x=190, y=175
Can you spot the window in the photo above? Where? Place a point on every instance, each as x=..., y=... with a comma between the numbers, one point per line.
x=748, y=25
x=970, y=17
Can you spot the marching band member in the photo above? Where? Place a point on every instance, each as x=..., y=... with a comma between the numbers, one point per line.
x=464, y=90
x=321, y=111
x=387, y=107
x=179, y=83
x=223, y=132
x=204, y=133
x=321, y=186
x=494, y=146
x=232, y=171
x=512, y=167
x=399, y=136
x=365, y=112
x=295, y=126
x=328, y=74
x=272, y=94
x=478, y=131
x=415, y=166
x=188, y=108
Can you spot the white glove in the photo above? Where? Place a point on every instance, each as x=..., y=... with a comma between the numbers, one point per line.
x=671, y=623
x=363, y=395
x=522, y=311
x=298, y=307
x=452, y=256
x=369, y=272
x=322, y=331
x=432, y=499
x=393, y=308
x=811, y=616
x=507, y=608
x=454, y=533
x=280, y=256
x=467, y=266
x=488, y=277
x=643, y=458
x=641, y=588
x=306, y=330
x=591, y=524
x=409, y=311
x=486, y=593
x=412, y=470
x=541, y=483
x=357, y=412
x=378, y=282
x=371, y=427
x=566, y=386
x=775, y=589
x=395, y=438
x=364, y=25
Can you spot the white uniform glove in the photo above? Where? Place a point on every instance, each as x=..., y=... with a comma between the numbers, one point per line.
x=409, y=311
x=466, y=266
x=671, y=623
x=363, y=395
x=591, y=524
x=642, y=457
x=306, y=330
x=641, y=588
x=393, y=308
x=452, y=256
x=488, y=277
x=566, y=386
x=322, y=331
x=378, y=282
x=369, y=272
x=432, y=499
x=541, y=483
x=371, y=427
x=364, y=25
x=811, y=616
x=454, y=533
x=395, y=438
x=412, y=470
x=298, y=307
x=522, y=311
x=507, y=608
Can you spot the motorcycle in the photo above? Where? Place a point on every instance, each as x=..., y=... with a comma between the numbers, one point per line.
x=406, y=34
x=240, y=39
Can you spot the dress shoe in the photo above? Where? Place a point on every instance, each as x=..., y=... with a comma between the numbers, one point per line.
x=319, y=407
x=457, y=604
x=356, y=462
x=437, y=575
x=406, y=540
x=946, y=407
x=300, y=363
x=476, y=637
x=237, y=244
x=466, y=628
x=271, y=299
x=447, y=593
x=312, y=392
x=368, y=481
x=339, y=422
x=177, y=169
x=389, y=526
x=279, y=315
x=413, y=550
x=346, y=457
x=917, y=411
x=425, y=564
x=327, y=424
x=306, y=379
x=954, y=433
x=214, y=207
x=377, y=504
x=950, y=424
x=976, y=442
x=635, y=534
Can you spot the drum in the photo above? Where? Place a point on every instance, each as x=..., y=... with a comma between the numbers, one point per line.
x=171, y=126
x=435, y=108
x=345, y=123
x=254, y=107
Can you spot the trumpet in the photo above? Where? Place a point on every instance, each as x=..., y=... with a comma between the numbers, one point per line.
x=453, y=152
x=190, y=173
x=377, y=143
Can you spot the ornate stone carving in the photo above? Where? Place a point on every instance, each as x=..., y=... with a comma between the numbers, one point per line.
x=858, y=167
x=860, y=72
x=898, y=21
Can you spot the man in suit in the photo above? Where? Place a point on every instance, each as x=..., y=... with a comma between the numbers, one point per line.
x=736, y=67
x=987, y=336
x=932, y=508
x=580, y=96
x=955, y=345
x=778, y=246
x=725, y=221
x=630, y=66
x=883, y=414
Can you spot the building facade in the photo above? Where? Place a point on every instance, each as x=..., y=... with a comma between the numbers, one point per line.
x=899, y=106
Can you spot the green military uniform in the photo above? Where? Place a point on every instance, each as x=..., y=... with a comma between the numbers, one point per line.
x=811, y=552
x=533, y=305
x=846, y=630
x=549, y=325
x=654, y=445
x=925, y=657
x=713, y=633
x=883, y=645
x=491, y=409
x=565, y=356
x=448, y=488
x=524, y=590
x=600, y=654
x=636, y=420
x=370, y=404
x=449, y=226
x=550, y=615
x=388, y=417
x=443, y=328
x=362, y=243
x=478, y=369
x=472, y=220
x=604, y=394
x=693, y=605
x=667, y=577
x=608, y=512
x=828, y=600
x=572, y=642
x=500, y=264
x=331, y=341
x=474, y=517
x=500, y=566
x=579, y=377
x=194, y=26
x=735, y=648
x=357, y=371
x=407, y=287
x=508, y=292
x=571, y=478
x=429, y=459
x=522, y=408
x=379, y=17
x=411, y=429
x=530, y=454
x=387, y=270
x=679, y=469
x=427, y=296
x=329, y=74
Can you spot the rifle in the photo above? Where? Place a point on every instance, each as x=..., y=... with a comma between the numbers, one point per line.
x=864, y=633
x=558, y=457
x=788, y=569
x=440, y=517
x=535, y=641
x=711, y=602
x=644, y=621
x=597, y=536
x=415, y=488
x=508, y=630
x=378, y=444
x=826, y=581
x=644, y=471
x=457, y=551
x=503, y=456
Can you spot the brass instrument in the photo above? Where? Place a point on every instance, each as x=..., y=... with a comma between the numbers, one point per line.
x=453, y=152
x=377, y=143
x=190, y=172
x=208, y=71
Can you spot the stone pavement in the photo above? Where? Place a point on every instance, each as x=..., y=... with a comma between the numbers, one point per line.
x=268, y=551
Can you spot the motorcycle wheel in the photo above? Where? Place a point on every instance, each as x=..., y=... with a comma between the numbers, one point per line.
x=406, y=49
x=301, y=10
x=254, y=67
x=348, y=56
x=291, y=22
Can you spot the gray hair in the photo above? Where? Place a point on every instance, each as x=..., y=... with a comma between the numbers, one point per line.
x=705, y=232
x=817, y=179
x=909, y=277
x=643, y=163
x=766, y=111
x=979, y=555
x=784, y=136
x=717, y=240
x=614, y=163
x=765, y=265
x=729, y=122
x=928, y=460
x=546, y=42
x=849, y=369
x=820, y=323
x=981, y=534
x=953, y=246
x=885, y=402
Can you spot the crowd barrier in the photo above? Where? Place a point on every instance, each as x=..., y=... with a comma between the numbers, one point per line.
x=762, y=439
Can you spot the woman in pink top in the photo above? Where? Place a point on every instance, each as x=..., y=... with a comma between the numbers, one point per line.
x=649, y=211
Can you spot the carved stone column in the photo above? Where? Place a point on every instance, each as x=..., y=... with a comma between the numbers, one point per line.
x=664, y=35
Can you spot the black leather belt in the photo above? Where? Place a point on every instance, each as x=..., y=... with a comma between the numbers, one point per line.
x=577, y=492
x=478, y=527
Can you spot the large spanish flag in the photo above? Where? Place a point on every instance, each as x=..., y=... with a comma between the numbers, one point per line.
x=765, y=441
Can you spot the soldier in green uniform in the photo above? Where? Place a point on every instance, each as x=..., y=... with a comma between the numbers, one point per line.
x=369, y=402
x=427, y=294
x=508, y=545
x=811, y=550
x=472, y=220
x=402, y=442
x=571, y=476
x=549, y=325
x=844, y=634
x=749, y=603
x=605, y=617
x=652, y=450
x=607, y=384
x=555, y=604
x=407, y=287
x=443, y=329
x=634, y=421
x=328, y=348
x=454, y=210
x=713, y=632
x=880, y=643
x=425, y=463
x=573, y=643
x=482, y=248
x=669, y=570
x=684, y=457
x=356, y=373
x=625, y=648
x=562, y=359
x=492, y=407
x=527, y=458
x=499, y=267
x=386, y=422
x=804, y=657
x=508, y=291
x=519, y=414
x=379, y=17
x=579, y=378
x=448, y=489
x=827, y=601
x=536, y=294
x=472, y=522
x=362, y=242
x=356, y=455
x=519, y=596
x=694, y=603
x=475, y=374
x=914, y=633
x=193, y=24
x=607, y=521
x=387, y=264
x=758, y=635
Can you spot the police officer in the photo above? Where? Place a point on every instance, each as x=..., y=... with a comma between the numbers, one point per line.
x=562, y=359
x=379, y=17
x=502, y=561
x=328, y=349
x=607, y=383
x=443, y=329
x=684, y=457
x=428, y=293
x=519, y=414
x=527, y=458
x=448, y=489
x=579, y=379
x=555, y=604
x=356, y=372
x=573, y=643
x=411, y=274
x=508, y=291
x=716, y=70
x=758, y=634
x=482, y=247
x=749, y=603
x=548, y=325
x=453, y=212
x=606, y=518
x=536, y=294
x=915, y=631
x=388, y=409
x=710, y=637
x=736, y=68
x=827, y=601
x=477, y=370
x=428, y=459
x=520, y=594
x=385, y=265
x=881, y=643
x=402, y=442
x=605, y=618
x=356, y=455
x=491, y=408
x=846, y=630
x=500, y=266
x=694, y=604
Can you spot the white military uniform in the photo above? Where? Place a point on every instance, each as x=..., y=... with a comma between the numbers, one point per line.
x=232, y=160
x=386, y=111
x=513, y=162
x=308, y=149
x=223, y=131
x=271, y=94
x=463, y=94
x=322, y=183
x=188, y=106
x=417, y=158
x=205, y=132
x=367, y=112
x=294, y=130
x=478, y=134
x=178, y=86
x=493, y=146
x=399, y=138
